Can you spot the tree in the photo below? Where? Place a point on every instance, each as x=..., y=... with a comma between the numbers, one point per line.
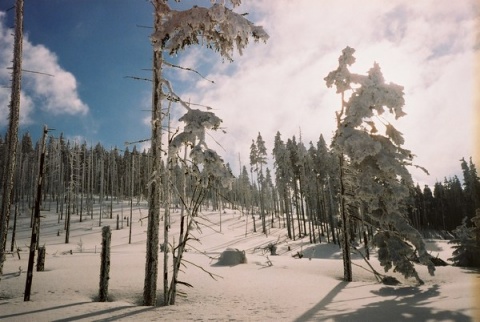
x=12, y=135
x=373, y=171
x=282, y=178
x=467, y=243
x=218, y=28
x=471, y=183
x=258, y=157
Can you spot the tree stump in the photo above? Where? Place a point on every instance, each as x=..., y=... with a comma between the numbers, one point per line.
x=105, y=264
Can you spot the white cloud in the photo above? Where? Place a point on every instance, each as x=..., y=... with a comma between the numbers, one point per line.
x=55, y=95
x=425, y=47
x=59, y=93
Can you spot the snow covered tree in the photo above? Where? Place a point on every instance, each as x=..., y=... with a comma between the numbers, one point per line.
x=218, y=28
x=258, y=158
x=467, y=243
x=282, y=178
x=373, y=166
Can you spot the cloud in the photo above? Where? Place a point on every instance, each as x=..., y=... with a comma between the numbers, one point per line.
x=56, y=94
x=59, y=93
x=427, y=47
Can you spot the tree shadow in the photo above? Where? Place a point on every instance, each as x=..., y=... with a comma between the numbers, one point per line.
x=404, y=304
x=96, y=313
x=312, y=313
x=327, y=251
x=13, y=315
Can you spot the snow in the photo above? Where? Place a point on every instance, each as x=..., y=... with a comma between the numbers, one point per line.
x=292, y=289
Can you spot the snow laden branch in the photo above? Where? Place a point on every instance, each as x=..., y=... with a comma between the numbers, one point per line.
x=373, y=164
x=218, y=28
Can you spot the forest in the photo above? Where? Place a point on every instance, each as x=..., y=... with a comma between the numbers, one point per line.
x=304, y=181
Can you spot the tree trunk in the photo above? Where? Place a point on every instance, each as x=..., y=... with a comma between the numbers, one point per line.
x=105, y=264
x=151, y=263
x=14, y=230
x=36, y=223
x=347, y=262
x=41, y=259
x=131, y=201
x=12, y=137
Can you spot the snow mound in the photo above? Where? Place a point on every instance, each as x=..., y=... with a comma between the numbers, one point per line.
x=232, y=257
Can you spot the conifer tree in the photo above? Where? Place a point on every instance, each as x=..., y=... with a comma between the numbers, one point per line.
x=467, y=243
x=258, y=158
x=373, y=171
x=282, y=179
x=471, y=182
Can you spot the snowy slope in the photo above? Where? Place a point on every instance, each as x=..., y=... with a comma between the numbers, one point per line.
x=292, y=289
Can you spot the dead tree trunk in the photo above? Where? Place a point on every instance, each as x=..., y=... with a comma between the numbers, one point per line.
x=12, y=137
x=36, y=221
x=41, y=259
x=151, y=263
x=105, y=264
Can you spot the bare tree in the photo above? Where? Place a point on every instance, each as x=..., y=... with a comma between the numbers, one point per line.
x=12, y=136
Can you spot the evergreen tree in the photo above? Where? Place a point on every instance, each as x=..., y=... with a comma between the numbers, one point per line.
x=283, y=177
x=467, y=243
x=471, y=183
x=374, y=165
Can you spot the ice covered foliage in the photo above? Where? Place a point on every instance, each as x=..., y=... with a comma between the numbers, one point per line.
x=196, y=123
x=217, y=27
x=222, y=30
x=214, y=168
x=209, y=165
x=467, y=244
x=372, y=146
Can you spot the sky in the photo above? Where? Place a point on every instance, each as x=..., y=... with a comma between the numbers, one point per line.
x=92, y=48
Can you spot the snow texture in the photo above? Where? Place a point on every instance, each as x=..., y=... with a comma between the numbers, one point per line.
x=217, y=27
x=307, y=289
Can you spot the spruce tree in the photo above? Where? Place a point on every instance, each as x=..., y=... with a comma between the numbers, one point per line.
x=467, y=243
x=373, y=166
x=282, y=180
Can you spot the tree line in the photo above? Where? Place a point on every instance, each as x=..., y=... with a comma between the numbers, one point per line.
x=300, y=193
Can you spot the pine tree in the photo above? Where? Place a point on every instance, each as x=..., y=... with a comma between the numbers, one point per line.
x=282, y=179
x=467, y=243
x=373, y=169
x=258, y=156
x=471, y=183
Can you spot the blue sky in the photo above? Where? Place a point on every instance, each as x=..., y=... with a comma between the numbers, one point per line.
x=91, y=46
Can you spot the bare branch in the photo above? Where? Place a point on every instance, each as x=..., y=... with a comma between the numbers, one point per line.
x=139, y=78
x=212, y=275
x=188, y=69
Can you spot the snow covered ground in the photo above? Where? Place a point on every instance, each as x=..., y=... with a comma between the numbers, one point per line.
x=292, y=289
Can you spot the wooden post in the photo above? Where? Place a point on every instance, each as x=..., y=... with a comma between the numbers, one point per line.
x=105, y=264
